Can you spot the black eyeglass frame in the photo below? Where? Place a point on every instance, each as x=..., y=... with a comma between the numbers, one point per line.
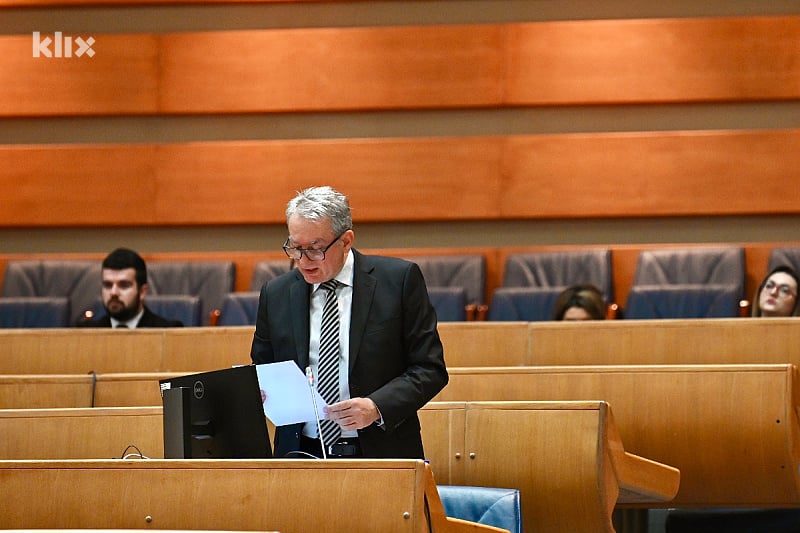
x=301, y=251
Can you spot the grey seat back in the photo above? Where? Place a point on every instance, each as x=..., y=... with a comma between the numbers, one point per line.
x=561, y=269
x=210, y=281
x=526, y=304
x=786, y=256
x=489, y=506
x=698, y=266
x=77, y=280
x=34, y=312
x=263, y=271
x=239, y=309
x=683, y=301
x=467, y=271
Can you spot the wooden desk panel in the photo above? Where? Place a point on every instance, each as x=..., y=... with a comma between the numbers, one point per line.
x=228, y=494
x=566, y=458
x=732, y=430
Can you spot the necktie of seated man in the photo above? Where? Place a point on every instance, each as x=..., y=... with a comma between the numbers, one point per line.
x=328, y=379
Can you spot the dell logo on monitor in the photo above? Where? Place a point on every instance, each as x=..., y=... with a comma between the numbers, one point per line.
x=198, y=389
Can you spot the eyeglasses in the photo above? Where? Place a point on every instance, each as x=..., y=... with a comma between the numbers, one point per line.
x=783, y=290
x=312, y=254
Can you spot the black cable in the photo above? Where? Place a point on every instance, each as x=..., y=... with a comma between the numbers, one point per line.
x=126, y=455
x=94, y=385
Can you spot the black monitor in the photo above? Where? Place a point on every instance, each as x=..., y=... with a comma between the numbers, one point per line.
x=215, y=415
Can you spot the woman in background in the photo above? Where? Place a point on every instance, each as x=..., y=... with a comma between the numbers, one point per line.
x=580, y=302
x=777, y=294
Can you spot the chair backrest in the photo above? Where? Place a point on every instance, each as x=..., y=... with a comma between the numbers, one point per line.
x=784, y=257
x=181, y=307
x=467, y=271
x=77, y=280
x=683, y=301
x=211, y=281
x=708, y=265
x=34, y=312
x=561, y=269
x=263, y=271
x=526, y=304
x=450, y=303
x=239, y=309
x=485, y=505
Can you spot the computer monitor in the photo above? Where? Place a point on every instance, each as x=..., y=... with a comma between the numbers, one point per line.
x=215, y=415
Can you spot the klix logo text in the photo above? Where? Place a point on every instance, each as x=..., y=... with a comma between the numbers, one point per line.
x=62, y=45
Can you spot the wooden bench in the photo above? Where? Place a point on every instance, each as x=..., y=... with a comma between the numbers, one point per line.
x=225, y=494
x=569, y=454
x=732, y=430
x=566, y=458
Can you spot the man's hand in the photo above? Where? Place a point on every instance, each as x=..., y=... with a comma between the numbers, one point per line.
x=355, y=413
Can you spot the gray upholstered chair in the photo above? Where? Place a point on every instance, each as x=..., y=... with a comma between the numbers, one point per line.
x=467, y=271
x=263, y=271
x=561, y=269
x=77, y=280
x=210, y=281
x=526, y=304
x=490, y=506
x=34, y=312
x=786, y=256
x=683, y=301
x=239, y=309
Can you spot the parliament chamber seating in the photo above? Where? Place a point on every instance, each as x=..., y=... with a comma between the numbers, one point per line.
x=210, y=281
x=533, y=281
x=492, y=506
x=34, y=312
x=699, y=282
x=263, y=271
x=77, y=280
x=784, y=255
x=239, y=309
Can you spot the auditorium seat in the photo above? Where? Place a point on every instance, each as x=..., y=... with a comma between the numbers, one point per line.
x=263, y=271
x=239, y=309
x=450, y=303
x=77, y=280
x=527, y=304
x=723, y=265
x=559, y=270
x=467, y=271
x=489, y=506
x=784, y=256
x=210, y=281
x=683, y=301
x=34, y=312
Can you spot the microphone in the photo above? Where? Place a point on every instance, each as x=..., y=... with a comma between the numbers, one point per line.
x=310, y=378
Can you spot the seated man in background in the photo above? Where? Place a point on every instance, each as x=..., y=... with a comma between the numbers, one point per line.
x=580, y=302
x=124, y=285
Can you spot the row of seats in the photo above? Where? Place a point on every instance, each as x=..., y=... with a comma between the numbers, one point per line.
x=669, y=283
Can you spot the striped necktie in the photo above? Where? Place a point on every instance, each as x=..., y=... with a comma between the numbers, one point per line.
x=328, y=379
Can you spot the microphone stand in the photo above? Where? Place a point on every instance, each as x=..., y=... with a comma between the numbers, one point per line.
x=310, y=378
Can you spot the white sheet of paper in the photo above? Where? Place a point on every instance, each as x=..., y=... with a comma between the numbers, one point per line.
x=289, y=399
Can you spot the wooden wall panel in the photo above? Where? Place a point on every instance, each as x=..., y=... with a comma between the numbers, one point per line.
x=654, y=60
x=406, y=180
x=410, y=67
x=332, y=69
x=121, y=78
x=386, y=180
x=96, y=185
x=652, y=174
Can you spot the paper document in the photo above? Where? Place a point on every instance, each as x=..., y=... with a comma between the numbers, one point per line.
x=289, y=399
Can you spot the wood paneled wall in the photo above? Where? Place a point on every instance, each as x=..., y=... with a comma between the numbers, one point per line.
x=417, y=67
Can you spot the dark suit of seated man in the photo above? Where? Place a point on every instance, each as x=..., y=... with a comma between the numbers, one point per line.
x=366, y=318
x=124, y=285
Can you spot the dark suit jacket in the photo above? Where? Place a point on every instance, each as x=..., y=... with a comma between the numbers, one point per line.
x=149, y=320
x=396, y=356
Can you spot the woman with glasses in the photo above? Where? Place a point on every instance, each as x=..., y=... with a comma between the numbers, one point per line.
x=777, y=294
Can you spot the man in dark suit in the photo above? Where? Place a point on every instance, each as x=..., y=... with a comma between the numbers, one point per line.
x=390, y=357
x=124, y=285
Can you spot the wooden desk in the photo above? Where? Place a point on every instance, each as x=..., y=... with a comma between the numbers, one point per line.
x=285, y=495
x=566, y=458
x=732, y=430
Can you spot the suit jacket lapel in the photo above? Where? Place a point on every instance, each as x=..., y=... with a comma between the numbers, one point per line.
x=363, y=292
x=299, y=298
